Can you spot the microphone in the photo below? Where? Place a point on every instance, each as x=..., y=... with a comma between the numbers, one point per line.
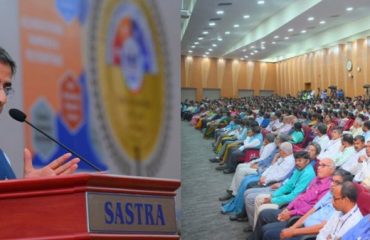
x=21, y=117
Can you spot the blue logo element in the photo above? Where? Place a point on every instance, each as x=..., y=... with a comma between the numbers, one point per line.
x=68, y=9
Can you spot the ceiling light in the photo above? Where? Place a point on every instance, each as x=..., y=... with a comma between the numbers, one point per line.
x=252, y=53
x=256, y=51
x=349, y=9
x=303, y=31
x=274, y=43
x=210, y=49
x=286, y=38
x=253, y=47
x=263, y=42
x=205, y=32
x=227, y=33
x=219, y=39
x=244, y=50
x=290, y=30
x=196, y=43
x=310, y=18
x=219, y=12
x=193, y=46
x=206, y=53
x=246, y=16
x=190, y=51
x=236, y=25
x=322, y=22
x=246, y=56
x=200, y=38
x=212, y=24
x=276, y=36
x=261, y=2
x=263, y=47
x=214, y=45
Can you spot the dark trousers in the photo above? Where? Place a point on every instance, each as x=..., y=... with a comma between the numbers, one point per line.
x=271, y=231
x=232, y=159
x=263, y=225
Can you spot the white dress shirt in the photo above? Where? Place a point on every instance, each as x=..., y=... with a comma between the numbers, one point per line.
x=322, y=141
x=363, y=172
x=332, y=149
x=265, y=151
x=339, y=224
x=352, y=165
x=279, y=170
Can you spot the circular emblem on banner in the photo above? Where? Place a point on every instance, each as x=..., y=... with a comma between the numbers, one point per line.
x=128, y=68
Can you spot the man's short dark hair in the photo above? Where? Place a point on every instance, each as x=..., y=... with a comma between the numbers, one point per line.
x=317, y=147
x=359, y=138
x=7, y=60
x=347, y=138
x=338, y=129
x=346, y=176
x=297, y=126
x=270, y=137
x=256, y=129
x=322, y=128
x=302, y=154
x=367, y=124
x=349, y=191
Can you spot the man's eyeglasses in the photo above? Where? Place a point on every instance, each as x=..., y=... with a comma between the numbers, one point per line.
x=339, y=198
x=8, y=90
x=336, y=182
x=322, y=165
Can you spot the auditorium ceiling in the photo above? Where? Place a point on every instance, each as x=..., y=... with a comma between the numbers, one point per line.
x=269, y=30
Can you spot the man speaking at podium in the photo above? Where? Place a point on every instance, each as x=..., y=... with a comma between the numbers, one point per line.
x=59, y=166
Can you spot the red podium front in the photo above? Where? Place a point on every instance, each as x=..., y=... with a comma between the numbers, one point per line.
x=88, y=206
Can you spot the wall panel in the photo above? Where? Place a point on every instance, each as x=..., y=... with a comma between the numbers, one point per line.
x=321, y=68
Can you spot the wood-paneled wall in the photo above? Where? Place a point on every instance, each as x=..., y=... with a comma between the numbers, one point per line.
x=320, y=69
x=327, y=67
x=227, y=75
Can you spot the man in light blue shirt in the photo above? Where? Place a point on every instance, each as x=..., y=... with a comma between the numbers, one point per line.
x=316, y=218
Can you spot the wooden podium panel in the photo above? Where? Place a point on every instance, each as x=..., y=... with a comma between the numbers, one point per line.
x=88, y=206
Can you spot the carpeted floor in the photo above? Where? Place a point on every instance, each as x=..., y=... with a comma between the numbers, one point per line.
x=201, y=187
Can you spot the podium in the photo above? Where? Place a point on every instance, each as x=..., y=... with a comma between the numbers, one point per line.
x=88, y=206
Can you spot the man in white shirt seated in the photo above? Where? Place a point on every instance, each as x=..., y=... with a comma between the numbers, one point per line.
x=275, y=122
x=364, y=168
x=286, y=127
x=321, y=137
x=347, y=215
x=332, y=149
x=254, y=140
x=352, y=164
x=356, y=128
x=245, y=169
x=346, y=151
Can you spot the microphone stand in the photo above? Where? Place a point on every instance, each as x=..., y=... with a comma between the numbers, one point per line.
x=64, y=146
